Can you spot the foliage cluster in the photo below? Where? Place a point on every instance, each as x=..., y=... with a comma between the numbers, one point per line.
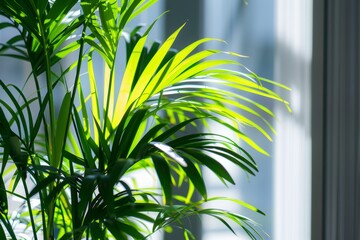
x=72, y=164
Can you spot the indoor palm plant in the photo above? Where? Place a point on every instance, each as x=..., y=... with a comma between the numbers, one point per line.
x=71, y=149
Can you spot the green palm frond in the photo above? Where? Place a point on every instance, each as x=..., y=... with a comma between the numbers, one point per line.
x=189, y=88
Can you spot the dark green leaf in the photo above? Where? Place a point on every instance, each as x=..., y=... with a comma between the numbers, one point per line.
x=42, y=185
x=5, y=130
x=61, y=130
x=35, y=130
x=106, y=186
x=5, y=25
x=163, y=172
x=87, y=189
x=83, y=141
x=3, y=198
x=75, y=159
x=117, y=228
x=18, y=108
x=193, y=174
x=169, y=133
x=128, y=12
x=138, y=151
x=122, y=145
x=8, y=226
x=59, y=10
x=2, y=233
x=235, y=160
x=211, y=163
x=97, y=233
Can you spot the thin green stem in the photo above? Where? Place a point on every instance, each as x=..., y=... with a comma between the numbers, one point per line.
x=29, y=207
x=49, y=85
x=5, y=220
x=38, y=178
x=76, y=83
x=74, y=209
x=74, y=198
x=50, y=137
x=10, y=229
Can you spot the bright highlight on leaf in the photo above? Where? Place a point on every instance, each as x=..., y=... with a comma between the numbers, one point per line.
x=169, y=152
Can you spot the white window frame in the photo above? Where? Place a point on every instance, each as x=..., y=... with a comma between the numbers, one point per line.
x=292, y=177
